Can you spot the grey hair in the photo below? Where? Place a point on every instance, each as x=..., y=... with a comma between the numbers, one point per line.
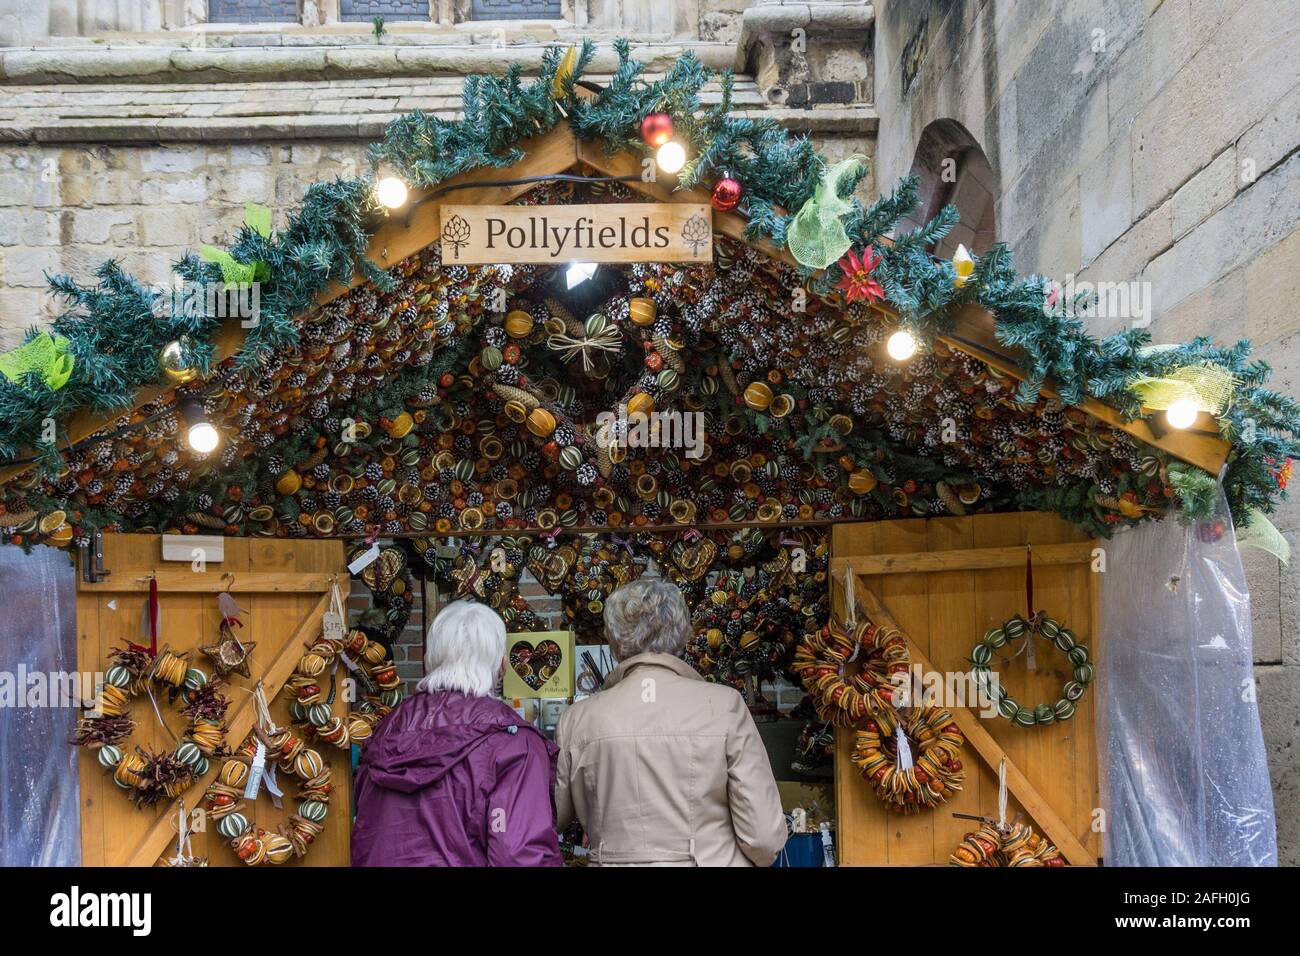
x=464, y=650
x=646, y=617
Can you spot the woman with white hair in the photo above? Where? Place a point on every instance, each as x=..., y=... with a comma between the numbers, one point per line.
x=661, y=767
x=453, y=777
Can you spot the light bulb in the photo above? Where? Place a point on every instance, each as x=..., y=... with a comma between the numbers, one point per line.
x=579, y=272
x=1182, y=413
x=202, y=437
x=391, y=191
x=671, y=156
x=901, y=346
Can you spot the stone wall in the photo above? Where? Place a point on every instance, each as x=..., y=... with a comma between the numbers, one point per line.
x=1151, y=142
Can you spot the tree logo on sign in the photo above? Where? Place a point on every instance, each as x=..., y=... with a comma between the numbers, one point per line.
x=455, y=232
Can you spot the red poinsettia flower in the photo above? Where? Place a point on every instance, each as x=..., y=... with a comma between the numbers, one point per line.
x=857, y=283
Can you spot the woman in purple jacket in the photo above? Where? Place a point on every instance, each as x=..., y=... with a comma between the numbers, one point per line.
x=454, y=777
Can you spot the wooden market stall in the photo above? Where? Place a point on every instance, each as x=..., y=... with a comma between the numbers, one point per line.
x=401, y=413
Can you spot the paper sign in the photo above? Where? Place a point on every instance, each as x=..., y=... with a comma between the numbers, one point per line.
x=365, y=558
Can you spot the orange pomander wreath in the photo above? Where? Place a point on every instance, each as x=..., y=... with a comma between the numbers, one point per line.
x=822, y=662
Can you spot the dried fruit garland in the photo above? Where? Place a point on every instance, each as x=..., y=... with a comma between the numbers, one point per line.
x=152, y=776
x=544, y=406
x=1047, y=629
x=1005, y=845
x=822, y=661
x=310, y=704
x=928, y=775
x=256, y=845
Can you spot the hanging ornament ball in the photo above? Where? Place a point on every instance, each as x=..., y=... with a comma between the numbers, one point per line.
x=726, y=194
x=172, y=362
x=657, y=129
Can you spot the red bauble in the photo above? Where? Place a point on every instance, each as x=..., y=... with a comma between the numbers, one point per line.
x=657, y=129
x=726, y=193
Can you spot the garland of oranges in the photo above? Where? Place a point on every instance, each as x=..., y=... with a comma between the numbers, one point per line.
x=1004, y=845
x=251, y=843
x=310, y=704
x=822, y=659
x=934, y=773
x=588, y=450
x=146, y=776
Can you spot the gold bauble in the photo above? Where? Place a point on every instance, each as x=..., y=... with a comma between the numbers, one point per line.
x=172, y=362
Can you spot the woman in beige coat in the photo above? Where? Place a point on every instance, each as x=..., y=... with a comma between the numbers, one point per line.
x=661, y=767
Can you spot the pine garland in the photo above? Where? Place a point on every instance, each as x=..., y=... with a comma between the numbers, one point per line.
x=116, y=327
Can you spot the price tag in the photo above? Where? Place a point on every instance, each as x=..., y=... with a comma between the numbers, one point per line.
x=332, y=625
x=255, y=772
x=364, y=559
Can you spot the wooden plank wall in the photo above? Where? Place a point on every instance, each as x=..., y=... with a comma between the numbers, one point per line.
x=110, y=825
x=946, y=613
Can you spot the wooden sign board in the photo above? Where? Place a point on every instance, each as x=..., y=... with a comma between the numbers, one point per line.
x=602, y=232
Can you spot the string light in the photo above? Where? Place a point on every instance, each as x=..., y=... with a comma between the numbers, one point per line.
x=1182, y=413
x=901, y=346
x=391, y=192
x=671, y=156
x=201, y=435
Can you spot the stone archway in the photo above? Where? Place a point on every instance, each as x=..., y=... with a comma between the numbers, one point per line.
x=953, y=169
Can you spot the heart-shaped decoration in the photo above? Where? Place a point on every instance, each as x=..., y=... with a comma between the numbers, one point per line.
x=550, y=566
x=535, y=665
x=694, y=560
x=380, y=573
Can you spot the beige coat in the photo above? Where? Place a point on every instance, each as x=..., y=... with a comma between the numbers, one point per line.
x=664, y=768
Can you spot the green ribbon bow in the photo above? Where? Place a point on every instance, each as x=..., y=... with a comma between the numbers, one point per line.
x=46, y=354
x=816, y=236
x=236, y=273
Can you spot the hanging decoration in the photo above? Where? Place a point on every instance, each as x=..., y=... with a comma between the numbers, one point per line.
x=816, y=234
x=999, y=842
x=842, y=693
x=963, y=266
x=656, y=129
x=1010, y=634
x=366, y=663
x=240, y=777
x=46, y=355
x=147, y=776
x=910, y=757
x=726, y=194
x=229, y=654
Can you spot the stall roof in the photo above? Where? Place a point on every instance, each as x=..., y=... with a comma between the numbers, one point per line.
x=118, y=474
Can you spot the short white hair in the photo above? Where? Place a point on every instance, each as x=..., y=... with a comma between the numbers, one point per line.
x=646, y=617
x=464, y=649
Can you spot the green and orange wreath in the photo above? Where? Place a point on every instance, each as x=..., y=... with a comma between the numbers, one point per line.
x=149, y=776
x=928, y=775
x=822, y=663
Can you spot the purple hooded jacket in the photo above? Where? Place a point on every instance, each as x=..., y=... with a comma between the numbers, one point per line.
x=450, y=780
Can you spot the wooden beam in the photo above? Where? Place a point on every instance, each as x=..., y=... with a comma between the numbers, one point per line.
x=989, y=749
x=175, y=580
x=964, y=559
x=161, y=833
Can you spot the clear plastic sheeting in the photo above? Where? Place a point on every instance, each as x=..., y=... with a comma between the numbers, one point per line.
x=1184, y=775
x=40, y=819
